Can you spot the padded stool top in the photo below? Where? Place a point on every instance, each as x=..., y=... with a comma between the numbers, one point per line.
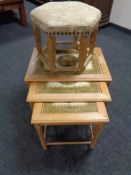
x=65, y=17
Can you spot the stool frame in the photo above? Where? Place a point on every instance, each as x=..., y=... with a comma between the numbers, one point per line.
x=84, y=47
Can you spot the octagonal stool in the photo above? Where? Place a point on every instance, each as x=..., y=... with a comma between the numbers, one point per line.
x=65, y=18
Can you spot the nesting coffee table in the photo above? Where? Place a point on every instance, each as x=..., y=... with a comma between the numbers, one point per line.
x=68, y=79
x=61, y=99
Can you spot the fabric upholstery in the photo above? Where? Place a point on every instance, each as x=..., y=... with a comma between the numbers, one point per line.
x=66, y=17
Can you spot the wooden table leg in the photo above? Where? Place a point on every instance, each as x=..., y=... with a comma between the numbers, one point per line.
x=22, y=13
x=96, y=134
x=41, y=136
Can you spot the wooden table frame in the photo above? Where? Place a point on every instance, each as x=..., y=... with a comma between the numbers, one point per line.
x=91, y=119
x=85, y=47
x=95, y=133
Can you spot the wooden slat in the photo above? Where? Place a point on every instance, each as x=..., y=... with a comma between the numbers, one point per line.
x=69, y=143
x=96, y=133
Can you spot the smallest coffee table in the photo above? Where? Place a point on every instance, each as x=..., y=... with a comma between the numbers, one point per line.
x=84, y=113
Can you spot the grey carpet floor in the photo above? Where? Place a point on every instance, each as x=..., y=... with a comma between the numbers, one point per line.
x=20, y=150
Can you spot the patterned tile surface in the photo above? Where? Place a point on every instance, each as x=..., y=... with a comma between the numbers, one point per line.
x=68, y=107
x=73, y=87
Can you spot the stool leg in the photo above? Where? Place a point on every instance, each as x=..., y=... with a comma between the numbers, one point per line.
x=82, y=52
x=96, y=134
x=41, y=136
x=22, y=13
x=91, y=45
x=37, y=36
x=51, y=52
x=93, y=40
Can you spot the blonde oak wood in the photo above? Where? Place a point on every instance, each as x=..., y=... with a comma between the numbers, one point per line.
x=69, y=118
x=40, y=119
x=96, y=133
x=90, y=48
x=103, y=95
x=93, y=39
x=41, y=136
x=98, y=119
x=37, y=36
x=104, y=76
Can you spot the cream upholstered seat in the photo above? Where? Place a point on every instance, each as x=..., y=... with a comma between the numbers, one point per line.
x=66, y=17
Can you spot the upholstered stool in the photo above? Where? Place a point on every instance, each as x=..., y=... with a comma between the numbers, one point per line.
x=65, y=18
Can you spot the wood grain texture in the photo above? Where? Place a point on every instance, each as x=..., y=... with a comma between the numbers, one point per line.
x=43, y=118
x=96, y=133
x=41, y=136
x=82, y=52
x=93, y=40
x=51, y=46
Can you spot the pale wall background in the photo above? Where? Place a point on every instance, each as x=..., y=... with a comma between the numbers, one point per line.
x=121, y=13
